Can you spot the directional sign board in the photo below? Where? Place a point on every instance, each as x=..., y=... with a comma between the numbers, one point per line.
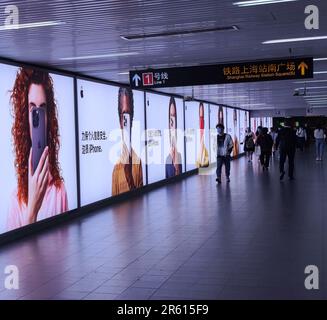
x=279, y=69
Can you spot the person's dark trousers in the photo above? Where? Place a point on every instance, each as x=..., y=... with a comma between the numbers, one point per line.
x=223, y=161
x=265, y=158
x=301, y=143
x=290, y=154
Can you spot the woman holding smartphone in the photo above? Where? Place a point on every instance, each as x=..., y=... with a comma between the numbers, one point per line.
x=40, y=191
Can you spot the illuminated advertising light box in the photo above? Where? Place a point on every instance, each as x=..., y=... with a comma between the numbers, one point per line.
x=197, y=135
x=243, y=126
x=165, y=136
x=217, y=115
x=38, y=152
x=111, y=140
x=233, y=129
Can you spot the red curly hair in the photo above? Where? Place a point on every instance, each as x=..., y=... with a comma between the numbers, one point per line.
x=20, y=129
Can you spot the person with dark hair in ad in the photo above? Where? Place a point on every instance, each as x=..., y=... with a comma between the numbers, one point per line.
x=220, y=115
x=235, y=122
x=41, y=191
x=286, y=142
x=174, y=159
x=127, y=174
x=224, y=149
x=203, y=156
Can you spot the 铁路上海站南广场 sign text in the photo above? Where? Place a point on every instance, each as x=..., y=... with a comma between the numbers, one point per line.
x=279, y=69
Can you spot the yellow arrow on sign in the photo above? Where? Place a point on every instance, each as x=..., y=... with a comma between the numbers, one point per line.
x=303, y=66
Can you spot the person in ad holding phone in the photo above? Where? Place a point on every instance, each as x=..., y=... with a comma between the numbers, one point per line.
x=174, y=159
x=127, y=174
x=203, y=156
x=40, y=191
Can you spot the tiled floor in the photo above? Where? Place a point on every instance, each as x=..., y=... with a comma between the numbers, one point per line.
x=191, y=240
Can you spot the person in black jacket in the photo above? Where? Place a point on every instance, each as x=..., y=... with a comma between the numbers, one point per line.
x=286, y=141
x=265, y=142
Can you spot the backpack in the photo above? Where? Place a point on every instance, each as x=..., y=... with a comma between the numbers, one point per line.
x=249, y=143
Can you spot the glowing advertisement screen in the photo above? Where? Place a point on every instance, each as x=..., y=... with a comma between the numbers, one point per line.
x=165, y=137
x=243, y=126
x=197, y=135
x=233, y=129
x=111, y=140
x=217, y=116
x=38, y=152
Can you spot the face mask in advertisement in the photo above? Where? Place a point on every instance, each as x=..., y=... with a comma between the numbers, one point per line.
x=127, y=131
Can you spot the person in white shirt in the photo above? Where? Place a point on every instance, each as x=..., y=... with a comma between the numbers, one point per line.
x=301, y=136
x=225, y=147
x=320, y=137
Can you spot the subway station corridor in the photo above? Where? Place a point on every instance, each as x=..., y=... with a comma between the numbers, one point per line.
x=250, y=239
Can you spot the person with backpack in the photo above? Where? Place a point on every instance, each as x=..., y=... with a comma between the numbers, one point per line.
x=249, y=145
x=225, y=147
x=266, y=143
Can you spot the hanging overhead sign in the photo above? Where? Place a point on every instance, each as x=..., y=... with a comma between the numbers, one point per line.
x=270, y=70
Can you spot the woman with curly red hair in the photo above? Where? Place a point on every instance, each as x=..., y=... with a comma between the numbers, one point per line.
x=40, y=191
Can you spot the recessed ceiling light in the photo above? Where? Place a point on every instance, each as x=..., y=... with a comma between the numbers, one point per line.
x=308, y=82
x=324, y=87
x=259, y=2
x=294, y=40
x=31, y=25
x=124, y=73
x=177, y=33
x=109, y=55
x=315, y=96
x=320, y=72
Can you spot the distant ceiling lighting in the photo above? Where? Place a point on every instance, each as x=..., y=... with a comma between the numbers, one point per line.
x=123, y=73
x=253, y=104
x=324, y=87
x=312, y=81
x=319, y=59
x=259, y=2
x=230, y=97
x=294, y=40
x=109, y=55
x=316, y=100
x=31, y=25
x=315, y=96
x=177, y=33
x=320, y=72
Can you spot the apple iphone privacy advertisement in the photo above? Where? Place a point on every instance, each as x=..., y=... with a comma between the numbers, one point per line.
x=197, y=135
x=217, y=116
x=39, y=135
x=38, y=155
x=165, y=136
x=112, y=140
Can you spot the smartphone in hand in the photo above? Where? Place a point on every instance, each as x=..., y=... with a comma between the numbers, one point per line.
x=39, y=135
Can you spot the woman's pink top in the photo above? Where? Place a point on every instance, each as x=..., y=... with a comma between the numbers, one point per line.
x=55, y=202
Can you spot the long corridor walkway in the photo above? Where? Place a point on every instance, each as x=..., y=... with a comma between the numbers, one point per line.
x=250, y=239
